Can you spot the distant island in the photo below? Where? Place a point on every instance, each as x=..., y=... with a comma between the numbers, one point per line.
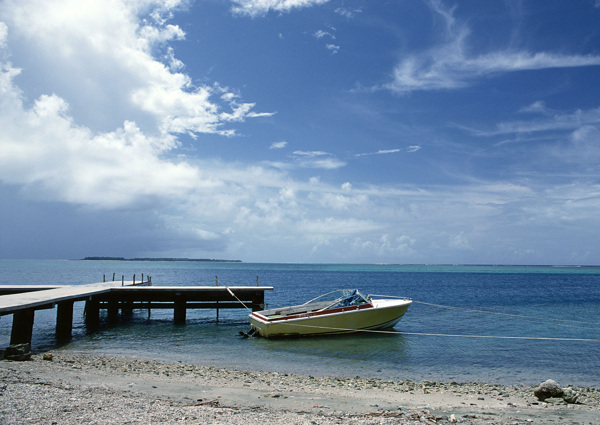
x=203, y=260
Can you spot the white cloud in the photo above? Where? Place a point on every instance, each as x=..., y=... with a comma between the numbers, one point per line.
x=448, y=65
x=251, y=114
x=583, y=148
x=87, y=67
x=310, y=153
x=334, y=48
x=379, y=152
x=150, y=35
x=101, y=58
x=538, y=107
x=3, y=35
x=62, y=161
x=460, y=241
x=386, y=246
x=317, y=159
x=254, y=8
x=332, y=226
x=174, y=63
x=278, y=145
x=347, y=13
x=321, y=33
x=555, y=122
x=410, y=149
x=326, y=163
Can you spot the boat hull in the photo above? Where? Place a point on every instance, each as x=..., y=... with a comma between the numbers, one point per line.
x=384, y=314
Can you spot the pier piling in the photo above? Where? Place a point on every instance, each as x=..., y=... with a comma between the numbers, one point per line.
x=64, y=320
x=22, y=327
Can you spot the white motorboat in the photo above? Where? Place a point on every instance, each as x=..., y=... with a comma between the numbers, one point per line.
x=341, y=311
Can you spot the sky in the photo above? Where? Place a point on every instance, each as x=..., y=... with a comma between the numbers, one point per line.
x=301, y=131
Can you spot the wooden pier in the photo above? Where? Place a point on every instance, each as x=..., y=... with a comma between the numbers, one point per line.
x=121, y=296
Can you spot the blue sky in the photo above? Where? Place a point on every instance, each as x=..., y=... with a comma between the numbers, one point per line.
x=301, y=130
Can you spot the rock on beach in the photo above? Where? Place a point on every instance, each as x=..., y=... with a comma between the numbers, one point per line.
x=550, y=392
x=548, y=389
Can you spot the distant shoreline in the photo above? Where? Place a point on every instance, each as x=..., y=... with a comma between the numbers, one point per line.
x=202, y=260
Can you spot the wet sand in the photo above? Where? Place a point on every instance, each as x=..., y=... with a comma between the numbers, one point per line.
x=83, y=389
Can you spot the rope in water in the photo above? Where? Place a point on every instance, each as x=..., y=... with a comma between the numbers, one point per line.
x=545, y=319
x=513, y=316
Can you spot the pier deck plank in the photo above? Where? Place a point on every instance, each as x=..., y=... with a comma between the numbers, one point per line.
x=37, y=299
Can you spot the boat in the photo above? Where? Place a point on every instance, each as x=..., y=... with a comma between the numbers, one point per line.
x=341, y=311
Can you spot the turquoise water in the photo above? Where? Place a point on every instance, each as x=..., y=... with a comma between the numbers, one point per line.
x=561, y=303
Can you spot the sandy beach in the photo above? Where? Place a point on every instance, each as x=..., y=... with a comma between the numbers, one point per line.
x=82, y=389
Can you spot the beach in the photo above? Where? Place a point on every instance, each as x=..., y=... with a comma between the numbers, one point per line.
x=65, y=388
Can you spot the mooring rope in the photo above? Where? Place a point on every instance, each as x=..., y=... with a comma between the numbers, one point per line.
x=240, y=301
x=517, y=316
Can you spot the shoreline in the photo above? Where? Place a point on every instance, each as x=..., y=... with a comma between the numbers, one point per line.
x=74, y=389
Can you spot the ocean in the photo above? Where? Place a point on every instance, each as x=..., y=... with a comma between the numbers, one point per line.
x=495, y=324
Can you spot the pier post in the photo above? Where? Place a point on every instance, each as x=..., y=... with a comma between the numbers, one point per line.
x=258, y=301
x=92, y=314
x=180, y=311
x=22, y=326
x=64, y=320
x=126, y=309
x=113, y=311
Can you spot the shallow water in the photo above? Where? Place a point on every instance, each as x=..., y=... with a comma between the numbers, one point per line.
x=504, y=301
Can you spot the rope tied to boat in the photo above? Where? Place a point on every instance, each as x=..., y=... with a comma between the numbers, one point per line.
x=240, y=301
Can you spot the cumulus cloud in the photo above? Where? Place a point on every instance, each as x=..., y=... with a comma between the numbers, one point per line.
x=101, y=58
x=87, y=67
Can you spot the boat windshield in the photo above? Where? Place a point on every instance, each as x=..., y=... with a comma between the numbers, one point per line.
x=341, y=298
